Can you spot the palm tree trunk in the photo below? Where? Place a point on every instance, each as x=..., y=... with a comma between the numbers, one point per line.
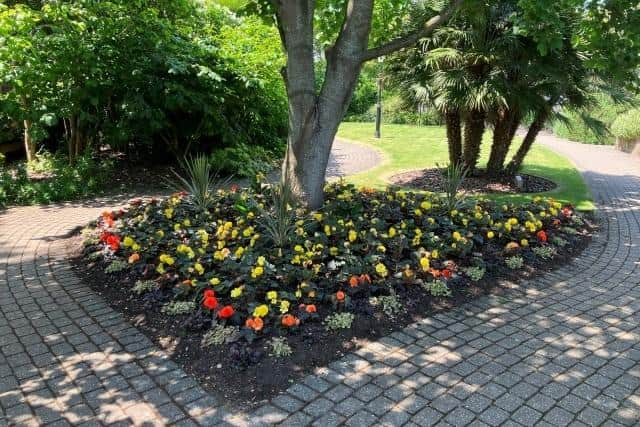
x=503, y=133
x=454, y=136
x=473, y=131
x=536, y=126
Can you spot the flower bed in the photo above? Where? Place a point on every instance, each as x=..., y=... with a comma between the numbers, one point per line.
x=217, y=279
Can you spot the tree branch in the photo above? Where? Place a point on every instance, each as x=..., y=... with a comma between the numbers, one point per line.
x=413, y=37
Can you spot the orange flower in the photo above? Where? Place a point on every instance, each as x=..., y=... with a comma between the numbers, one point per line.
x=290, y=320
x=556, y=222
x=256, y=324
x=365, y=278
x=435, y=273
x=353, y=281
x=311, y=308
x=134, y=258
x=340, y=296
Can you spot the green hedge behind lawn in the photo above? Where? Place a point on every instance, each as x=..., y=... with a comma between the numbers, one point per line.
x=406, y=148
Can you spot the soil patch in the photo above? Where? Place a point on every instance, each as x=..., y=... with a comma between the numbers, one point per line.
x=435, y=180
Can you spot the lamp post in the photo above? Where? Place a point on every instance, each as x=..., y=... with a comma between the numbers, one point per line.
x=379, y=109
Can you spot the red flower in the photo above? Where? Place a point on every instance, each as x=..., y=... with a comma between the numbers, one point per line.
x=353, y=281
x=256, y=323
x=567, y=212
x=542, y=236
x=310, y=308
x=209, y=293
x=114, y=242
x=340, y=296
x=226, y=312
x=210, y=303
x=446, y=273
x=234, y=188
x=365, y=278
x=290, y=320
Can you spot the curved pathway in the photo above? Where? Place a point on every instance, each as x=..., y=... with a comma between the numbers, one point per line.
x=349, y=159
x=561, y=350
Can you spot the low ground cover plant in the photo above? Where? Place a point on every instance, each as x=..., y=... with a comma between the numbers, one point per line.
x=224, y=273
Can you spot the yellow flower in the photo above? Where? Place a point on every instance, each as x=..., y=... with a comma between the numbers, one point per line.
x=524, y=242
x=236, y=292
x=257, y=272
x=261, y=260
x=186, y=222
x=381, y=248
x=160, y=269
x=478, y=215
x=284, y=306
x=426, y=205
x=135, y=247
x=272, y=296
x=214, y=281
x=392, y=232
x=168, y=213
x=417, y=212
x=513, y=221
x=491, y=235
x=298, y=248
x=333, y=251
x=352, y=235
x=239, y=252
x=381, y=269
x=424, y=263
x=166, y=259
x=199, y=268
x=261, y=311
x=317, y=216
x=127, y=242
x=176, y=227
x=247, y=232
x=435, y=254
x=160, y=233
x=327, y=230
x=456, y=235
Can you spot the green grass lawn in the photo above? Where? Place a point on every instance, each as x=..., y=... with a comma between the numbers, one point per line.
x=406, y=148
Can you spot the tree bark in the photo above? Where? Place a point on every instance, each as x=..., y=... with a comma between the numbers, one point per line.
x=29, y=145
x=473, y=132
x=536, y=126
x=454, y=136
x=503, y=133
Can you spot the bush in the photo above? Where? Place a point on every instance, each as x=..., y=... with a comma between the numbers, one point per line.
x=63, y=182
x=590, y=125
x=627, y=125
x=244, y=161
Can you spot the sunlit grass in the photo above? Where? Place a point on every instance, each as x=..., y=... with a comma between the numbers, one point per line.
x=406, y=148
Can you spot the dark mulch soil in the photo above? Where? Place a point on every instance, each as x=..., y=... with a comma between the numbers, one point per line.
x=244, y=375
x=434, y=180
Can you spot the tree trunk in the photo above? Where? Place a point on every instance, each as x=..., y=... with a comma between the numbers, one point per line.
x=454, y=136
x=473, y=132
x=29, y=145
x=503, y=134
x=535, y=128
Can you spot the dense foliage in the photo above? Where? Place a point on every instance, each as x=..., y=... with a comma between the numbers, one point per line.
x=224, y=269
x=592, y=124
x=51, y=179
x=627, y=125
x=159, y=76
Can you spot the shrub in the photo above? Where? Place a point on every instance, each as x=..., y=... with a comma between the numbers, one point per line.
x=220, y=334
x=280, y=347
x=337, y=321
x=244, y=161
x=86, y=177
x=627, y=125
x=514, y=262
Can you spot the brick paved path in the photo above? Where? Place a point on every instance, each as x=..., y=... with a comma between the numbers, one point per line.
x=561, y=350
